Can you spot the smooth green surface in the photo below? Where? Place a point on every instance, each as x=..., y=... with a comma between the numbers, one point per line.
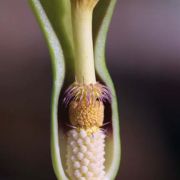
x=102, y=18
x=59, y=14
x=55, y=21
x=83, y=50
x=58, y=69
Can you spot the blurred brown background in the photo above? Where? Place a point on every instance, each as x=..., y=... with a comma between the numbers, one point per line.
x=143, y=56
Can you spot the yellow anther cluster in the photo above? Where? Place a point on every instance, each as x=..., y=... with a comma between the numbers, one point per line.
x=86, y=116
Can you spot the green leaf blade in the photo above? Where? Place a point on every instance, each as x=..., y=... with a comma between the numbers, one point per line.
x=102, y=17
x=58, y=69
x=59, y=14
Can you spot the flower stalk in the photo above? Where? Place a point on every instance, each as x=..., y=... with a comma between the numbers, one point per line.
x=82, y=11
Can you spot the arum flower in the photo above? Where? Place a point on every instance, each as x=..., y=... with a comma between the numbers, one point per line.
x=86, y=144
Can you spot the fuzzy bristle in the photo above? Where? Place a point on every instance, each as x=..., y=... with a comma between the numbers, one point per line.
x=90, y=93
x=85, y=155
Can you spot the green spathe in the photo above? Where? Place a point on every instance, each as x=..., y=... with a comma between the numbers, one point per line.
x=54, y=18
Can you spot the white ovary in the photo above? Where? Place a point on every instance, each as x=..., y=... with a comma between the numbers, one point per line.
x=85, y=155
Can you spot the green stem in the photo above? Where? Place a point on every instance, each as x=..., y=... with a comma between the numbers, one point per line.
x=83, y=44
